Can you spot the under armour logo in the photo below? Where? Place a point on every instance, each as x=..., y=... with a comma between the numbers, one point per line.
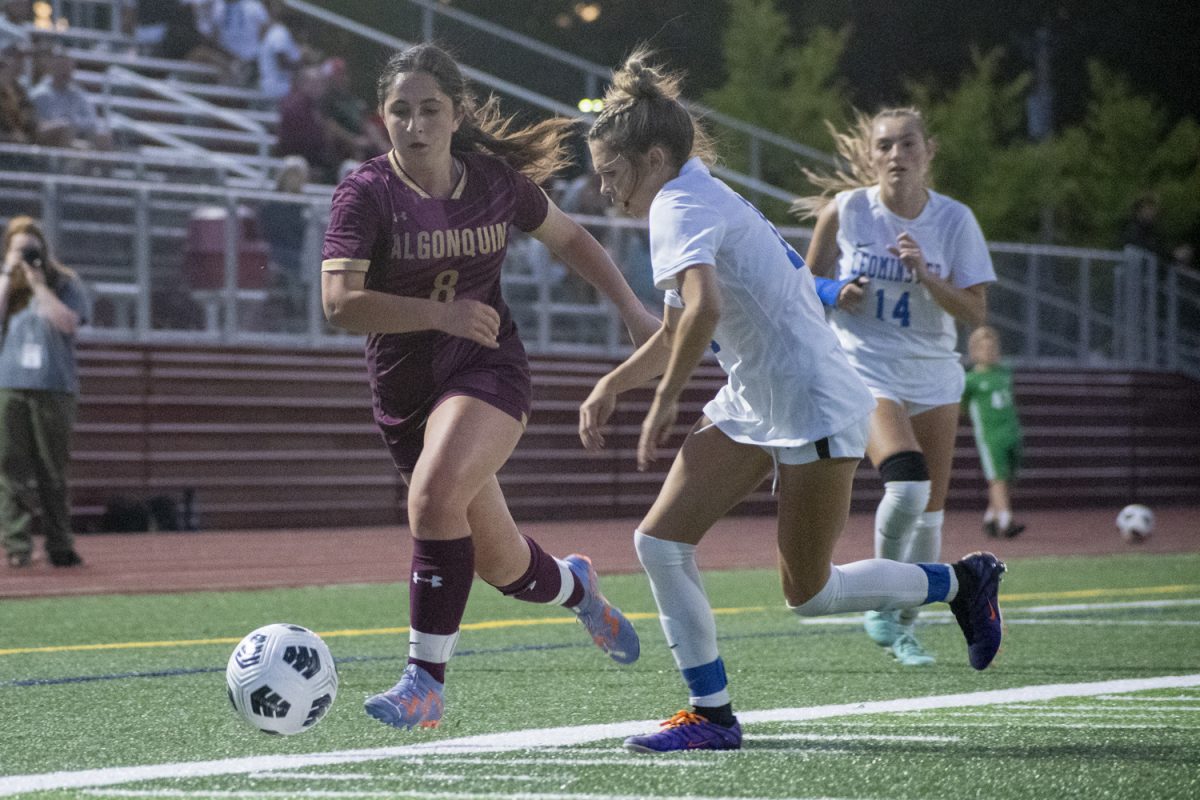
x=434, y=581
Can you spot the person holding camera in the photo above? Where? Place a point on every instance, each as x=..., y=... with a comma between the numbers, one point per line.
x=42, y=305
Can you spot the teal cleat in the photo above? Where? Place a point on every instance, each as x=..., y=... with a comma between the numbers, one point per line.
x=909, y=652
x=883, y=627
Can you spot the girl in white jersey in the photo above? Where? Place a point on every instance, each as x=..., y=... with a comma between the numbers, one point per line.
x=793, y=407
x=919, y=262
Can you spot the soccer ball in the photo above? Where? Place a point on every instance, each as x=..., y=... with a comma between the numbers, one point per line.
x=281, y=679
x=1135, y=522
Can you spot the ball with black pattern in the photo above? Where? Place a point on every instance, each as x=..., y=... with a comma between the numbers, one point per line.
x=281, y=679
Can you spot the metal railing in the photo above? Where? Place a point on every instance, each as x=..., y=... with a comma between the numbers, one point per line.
x=120, y=77
x=592, y=76
x=135, y=241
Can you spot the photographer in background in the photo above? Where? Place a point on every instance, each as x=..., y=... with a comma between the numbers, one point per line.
x=42, y=305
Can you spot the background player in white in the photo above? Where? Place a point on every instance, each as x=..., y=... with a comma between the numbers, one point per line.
x=793, y=406
x=922, y=263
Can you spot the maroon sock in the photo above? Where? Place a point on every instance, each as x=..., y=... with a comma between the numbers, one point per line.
x=542, y=581
x=439, y=584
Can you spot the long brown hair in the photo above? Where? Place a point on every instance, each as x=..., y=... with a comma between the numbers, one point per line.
x=854, y=146
x=539, y=150
x=56, y=274
x=642, y=109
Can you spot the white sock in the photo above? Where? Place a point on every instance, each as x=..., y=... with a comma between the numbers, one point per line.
x=874, y=584
x=924, y=548
x=902, y=504
x=683, y=607
x=1003, y=520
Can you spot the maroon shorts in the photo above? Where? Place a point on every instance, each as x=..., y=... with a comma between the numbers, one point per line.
x=408, y=389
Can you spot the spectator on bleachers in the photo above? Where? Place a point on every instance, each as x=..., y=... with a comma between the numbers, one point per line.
x=65, y=114
x=351, y=113
x=305, y=131
x=279, y=56
x=283, y=225
x=18, y=117
x=238, y=27
x=18, y=12
x=171, y=30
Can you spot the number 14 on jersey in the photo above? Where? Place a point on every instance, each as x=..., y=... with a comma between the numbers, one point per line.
x=898, y=312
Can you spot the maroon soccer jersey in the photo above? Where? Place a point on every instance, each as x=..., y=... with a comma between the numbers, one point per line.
x=415, y=245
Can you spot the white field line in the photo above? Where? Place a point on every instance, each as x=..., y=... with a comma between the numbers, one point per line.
x=1012, y=615
x=1108, y=709
x=421, y=795
x=1009, y=722
x=1126, y=698
x=847, y=737
x=445, y=777
x=503, y=742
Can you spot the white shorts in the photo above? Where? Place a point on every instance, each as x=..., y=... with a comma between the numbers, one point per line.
x=850, y=442
x=917, y=384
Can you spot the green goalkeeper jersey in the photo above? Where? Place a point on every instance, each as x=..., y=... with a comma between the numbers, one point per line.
x=988, y=399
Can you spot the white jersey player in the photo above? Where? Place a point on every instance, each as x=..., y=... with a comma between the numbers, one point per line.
x=792, y=408
x=918, y=262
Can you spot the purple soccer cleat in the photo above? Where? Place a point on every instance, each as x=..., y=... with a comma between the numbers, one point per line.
x=609, y=628
x=687, y=731
x=976, y=606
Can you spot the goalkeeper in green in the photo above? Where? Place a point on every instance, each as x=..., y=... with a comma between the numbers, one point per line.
x=988, y=401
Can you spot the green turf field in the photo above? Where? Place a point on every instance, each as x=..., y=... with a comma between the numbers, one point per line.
x=1096, y=694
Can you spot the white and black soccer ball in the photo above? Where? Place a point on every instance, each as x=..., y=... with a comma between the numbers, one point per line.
x=281, y=679
x=1135, y=522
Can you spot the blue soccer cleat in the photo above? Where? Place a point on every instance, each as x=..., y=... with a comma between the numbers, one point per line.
x=608, y=627
x=976, y=606
x=416, y=701
x=687, y=731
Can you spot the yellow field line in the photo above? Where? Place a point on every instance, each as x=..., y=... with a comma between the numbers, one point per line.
x=519, y=623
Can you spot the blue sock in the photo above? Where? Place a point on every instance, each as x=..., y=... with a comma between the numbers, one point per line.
x=939, y=582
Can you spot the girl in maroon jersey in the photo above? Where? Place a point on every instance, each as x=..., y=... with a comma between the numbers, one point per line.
x=412, y=258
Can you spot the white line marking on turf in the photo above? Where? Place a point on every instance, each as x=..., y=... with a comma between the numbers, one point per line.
x=1192, y=601
x=1137, y=711
x=847, y=737
x=1008, y=722
x=1128, y=698
x=503, y=742
x=234, y=795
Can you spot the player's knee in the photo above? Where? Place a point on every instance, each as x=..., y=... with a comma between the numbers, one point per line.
x=906, y=480
x=816, y=604
x=431, y=508
x=656, y=553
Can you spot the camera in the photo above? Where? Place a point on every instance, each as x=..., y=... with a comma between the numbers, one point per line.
x=32, y=256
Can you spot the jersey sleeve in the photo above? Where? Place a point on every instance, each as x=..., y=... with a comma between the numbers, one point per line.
x=76, y=298
x=683, y=232
x=972, y=261
x=531, y=205
x=354, y=227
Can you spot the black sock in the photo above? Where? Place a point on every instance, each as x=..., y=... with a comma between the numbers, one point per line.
x=966, y=584
x=718, y=715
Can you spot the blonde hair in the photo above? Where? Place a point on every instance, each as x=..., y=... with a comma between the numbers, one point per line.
x=642, y=109
x=854, y=147
x=539, y=151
